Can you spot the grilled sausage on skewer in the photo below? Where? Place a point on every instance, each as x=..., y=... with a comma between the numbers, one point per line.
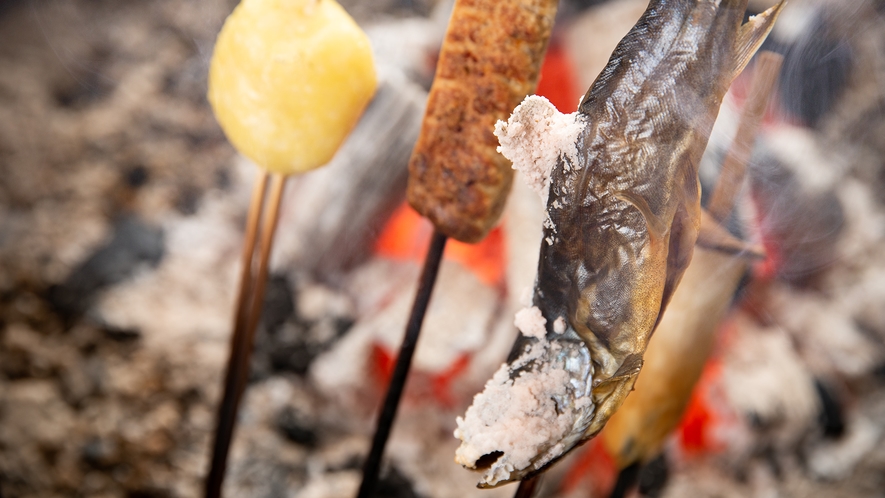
x=489, y=62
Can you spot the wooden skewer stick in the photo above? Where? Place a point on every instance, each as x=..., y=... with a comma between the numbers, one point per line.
x=734, y=166
x=268, y=230
x=248, y=305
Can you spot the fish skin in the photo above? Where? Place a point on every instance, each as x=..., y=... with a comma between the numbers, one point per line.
x=625, y=214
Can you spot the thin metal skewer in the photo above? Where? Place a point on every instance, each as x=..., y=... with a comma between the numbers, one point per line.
x=249, y=301
x=372, y=465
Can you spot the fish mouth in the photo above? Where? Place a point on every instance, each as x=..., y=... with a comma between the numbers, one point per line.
x=536, y=408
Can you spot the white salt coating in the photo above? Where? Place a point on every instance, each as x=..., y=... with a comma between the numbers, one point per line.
x=531, y=322
x=559, y=325
x=535, y=137
x=519, y=417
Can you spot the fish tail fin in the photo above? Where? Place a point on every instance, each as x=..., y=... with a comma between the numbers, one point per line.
x=751, y=35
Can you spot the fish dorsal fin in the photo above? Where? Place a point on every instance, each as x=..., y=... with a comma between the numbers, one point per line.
x=751, y=35
x=716, y=238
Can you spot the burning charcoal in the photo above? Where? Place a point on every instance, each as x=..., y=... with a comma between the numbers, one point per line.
x=133, y=244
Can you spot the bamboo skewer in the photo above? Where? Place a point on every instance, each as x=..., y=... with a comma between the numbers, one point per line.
x=734, y=166
x=268, y=230
x=248, y=306
x=397, y=383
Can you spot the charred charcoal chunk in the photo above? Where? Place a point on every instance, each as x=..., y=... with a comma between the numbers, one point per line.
x=294, y=358
x=653, y=477
x=133, y=245
x=188, y=200
x=628, y=477
x=137, y=176
x=149, y=492
x=815, y=73
x=394, y=484
x=278, y=303
x=296, y=427
x=100, y=453
x=831, y=416
x=122, y=334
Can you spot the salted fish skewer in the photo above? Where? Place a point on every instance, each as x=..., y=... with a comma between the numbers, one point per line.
x=623, y=215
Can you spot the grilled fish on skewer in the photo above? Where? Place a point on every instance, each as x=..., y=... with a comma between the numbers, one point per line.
x=623, y=216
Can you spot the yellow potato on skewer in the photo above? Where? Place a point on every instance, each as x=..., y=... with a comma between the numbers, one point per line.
x=288, y=81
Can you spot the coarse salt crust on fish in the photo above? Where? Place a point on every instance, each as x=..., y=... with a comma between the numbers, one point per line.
x=531, y=322
x=520, y=417
x=534, y=138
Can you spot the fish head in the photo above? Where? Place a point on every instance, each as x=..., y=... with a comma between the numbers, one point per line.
x=535, y=409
